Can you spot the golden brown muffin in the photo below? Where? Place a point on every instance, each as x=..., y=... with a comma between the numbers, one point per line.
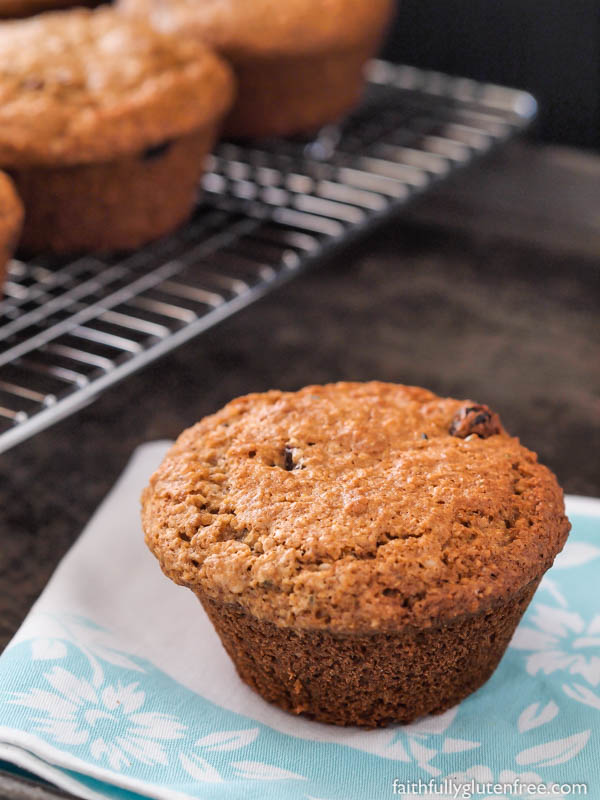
x=299, y=63
x=103, y=125
x=364, y=551
x=11, y=219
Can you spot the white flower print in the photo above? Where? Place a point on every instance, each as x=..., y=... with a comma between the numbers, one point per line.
x=561, y=640
x=582, y=694
x=554, y=752
x=199, y=768
x=575, y=554
x=424, y=741
x=90, y=639
x=257, y=771
x=48, y=650
x=108, y=719
x=534, y=716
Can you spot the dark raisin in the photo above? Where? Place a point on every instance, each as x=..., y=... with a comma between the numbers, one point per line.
x=157, y=151
x=477, y=419
x=33, y=82
x=288, y=459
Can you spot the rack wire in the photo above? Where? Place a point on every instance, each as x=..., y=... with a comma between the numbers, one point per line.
x=269, y=209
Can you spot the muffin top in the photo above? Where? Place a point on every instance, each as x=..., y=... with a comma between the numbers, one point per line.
x=354, y=507
x=81, y=86
x=268, y=27
x=11, y=217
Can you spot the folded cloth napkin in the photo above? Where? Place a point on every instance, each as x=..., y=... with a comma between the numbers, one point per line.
x=117, y=685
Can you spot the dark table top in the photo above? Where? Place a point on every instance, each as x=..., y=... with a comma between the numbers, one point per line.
x=487, y=290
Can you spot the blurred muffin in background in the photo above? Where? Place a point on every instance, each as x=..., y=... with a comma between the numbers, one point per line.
x=299, y=63
x=104, y=125
x=11, y=219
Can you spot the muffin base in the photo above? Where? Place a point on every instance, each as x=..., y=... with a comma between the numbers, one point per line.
x=367, y=679
x=280, y=96
x=118, y=205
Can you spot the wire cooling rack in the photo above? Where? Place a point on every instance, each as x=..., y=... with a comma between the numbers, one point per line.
x=69, y=329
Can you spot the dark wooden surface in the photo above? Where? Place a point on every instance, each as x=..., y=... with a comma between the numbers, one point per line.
x=488, y=289
x=552, y=49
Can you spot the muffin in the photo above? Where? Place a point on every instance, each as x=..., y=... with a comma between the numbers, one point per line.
x=299, y=63
x=364, y=551
x=11, y=219
x=104, y=124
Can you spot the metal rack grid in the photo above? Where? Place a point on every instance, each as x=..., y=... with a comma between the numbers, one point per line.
x=69, y=329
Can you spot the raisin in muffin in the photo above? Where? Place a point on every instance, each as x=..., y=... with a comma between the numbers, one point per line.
x=11, y=219
x=299, y=63
x=104, y=124
x=364, y=551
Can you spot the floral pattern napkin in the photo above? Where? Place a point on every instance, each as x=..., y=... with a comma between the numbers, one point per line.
x=116, y=685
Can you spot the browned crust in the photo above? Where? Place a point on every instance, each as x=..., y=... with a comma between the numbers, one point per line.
x=87, y=87
x=267, y=28
x=119, y=205
x=367, y=679
x=11, y=220
x=351, y=508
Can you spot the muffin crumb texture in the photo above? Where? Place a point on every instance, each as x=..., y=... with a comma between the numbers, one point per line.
x=370, y=680
x=352, y=508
